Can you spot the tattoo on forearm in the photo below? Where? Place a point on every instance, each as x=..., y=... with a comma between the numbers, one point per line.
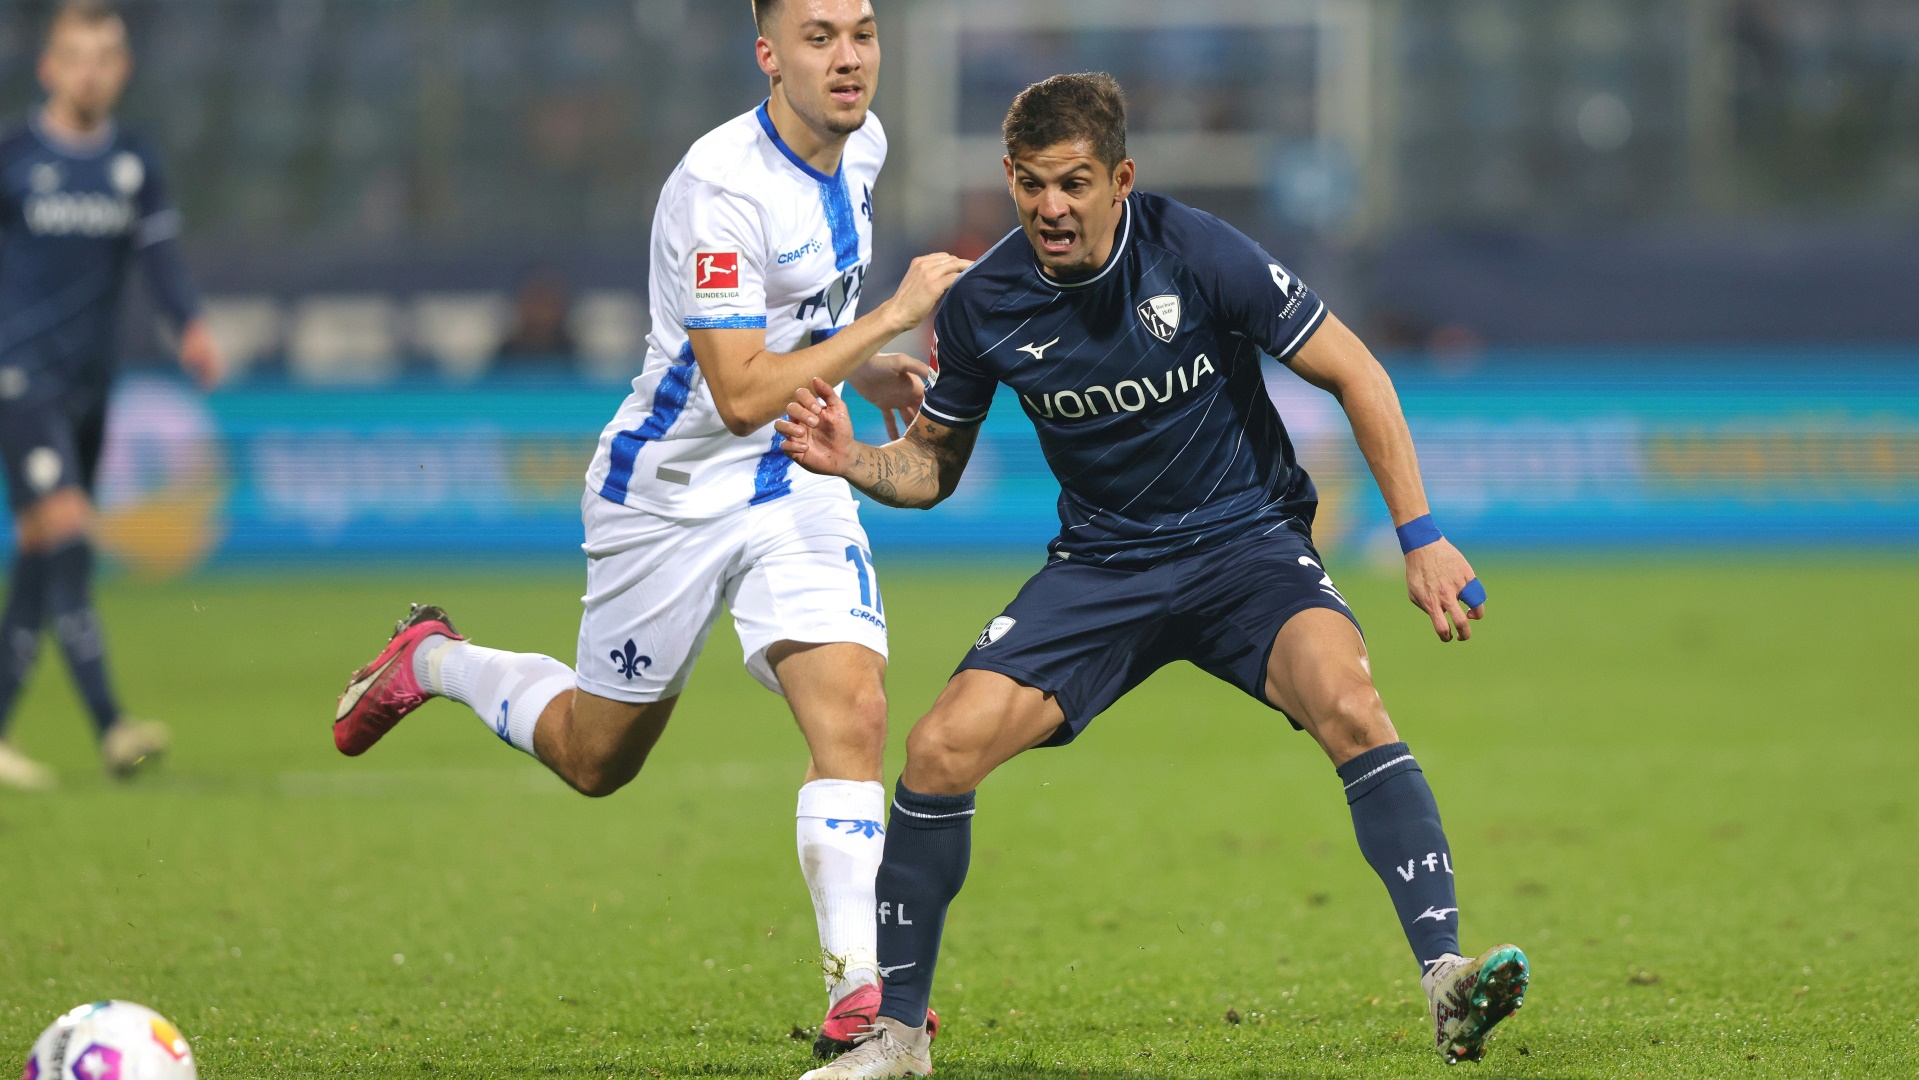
x=915, y=472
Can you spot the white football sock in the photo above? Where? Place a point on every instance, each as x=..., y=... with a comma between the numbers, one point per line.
x=841, y=837
x=507, y=690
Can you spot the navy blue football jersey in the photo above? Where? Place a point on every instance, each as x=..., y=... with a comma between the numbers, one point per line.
x=71, y=220
x=1142, y=379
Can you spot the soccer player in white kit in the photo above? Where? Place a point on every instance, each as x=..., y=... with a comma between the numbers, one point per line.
x=760, y=249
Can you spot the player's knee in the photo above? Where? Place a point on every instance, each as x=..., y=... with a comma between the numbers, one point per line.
x=54, y=520
x=599, y=779
x=866, y=716
x=1355, y=716
x=941, y=762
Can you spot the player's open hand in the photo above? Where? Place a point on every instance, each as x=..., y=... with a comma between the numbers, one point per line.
x=200, y=355
x=1434, y=576
x=818, y=430
x=896, y=384
x=926, y=281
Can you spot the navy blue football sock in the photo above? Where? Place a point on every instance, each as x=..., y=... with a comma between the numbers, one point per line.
x=20, y=624
x=77, y=627
x=928, y=844
x=1397, y=822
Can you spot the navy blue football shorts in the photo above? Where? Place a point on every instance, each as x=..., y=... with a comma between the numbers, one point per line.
x=49, y=445
x=1088, y=634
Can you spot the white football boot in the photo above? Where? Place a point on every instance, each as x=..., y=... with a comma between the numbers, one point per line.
x=21, y=772
x=129, y=744
x=887, y=1049
x=1467, y=997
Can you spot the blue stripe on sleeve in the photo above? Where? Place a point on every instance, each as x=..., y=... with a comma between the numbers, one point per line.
x=669, y=401
x=724, y=322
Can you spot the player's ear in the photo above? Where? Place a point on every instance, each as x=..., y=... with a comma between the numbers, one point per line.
x=1123, y=176
x=1012, y=185
x=769, y=62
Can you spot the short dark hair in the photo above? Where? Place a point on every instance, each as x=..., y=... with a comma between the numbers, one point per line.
x=764, y=12
x=1088, y=107
x=84, y=12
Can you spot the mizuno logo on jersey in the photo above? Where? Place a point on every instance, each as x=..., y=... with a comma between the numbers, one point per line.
x=835, y=298
x=1038, y=352
x=716, y=274
x=75, y=214
x=1132, y=395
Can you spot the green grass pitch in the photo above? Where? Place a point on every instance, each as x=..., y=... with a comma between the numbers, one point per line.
x=1687, y=788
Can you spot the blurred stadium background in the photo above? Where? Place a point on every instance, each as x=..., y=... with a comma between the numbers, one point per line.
x=1642, y=269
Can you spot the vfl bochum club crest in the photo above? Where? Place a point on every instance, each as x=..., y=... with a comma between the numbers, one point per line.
x=994, y=631
x=1161, y=316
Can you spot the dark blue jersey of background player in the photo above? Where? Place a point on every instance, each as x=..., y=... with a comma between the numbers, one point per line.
x=73, y=217
x=79, y=202
x=1142, y=379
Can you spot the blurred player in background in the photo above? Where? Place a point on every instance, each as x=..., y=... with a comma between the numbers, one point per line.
x=1131, y=327
x=761, y=243
x=79, y=201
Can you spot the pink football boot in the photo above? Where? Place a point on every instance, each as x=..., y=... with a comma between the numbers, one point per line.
x=380, y=694
x=848, y=1020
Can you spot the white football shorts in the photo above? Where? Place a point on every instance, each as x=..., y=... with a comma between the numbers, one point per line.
x=797, y=568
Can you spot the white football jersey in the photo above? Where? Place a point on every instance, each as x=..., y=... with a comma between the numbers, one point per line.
x=746, y=235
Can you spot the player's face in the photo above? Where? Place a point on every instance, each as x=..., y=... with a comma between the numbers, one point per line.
x=826, y=56
x=1069, y=204
x=85, y=67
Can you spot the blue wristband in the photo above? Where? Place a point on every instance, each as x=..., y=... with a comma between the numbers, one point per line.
x=1418, y=533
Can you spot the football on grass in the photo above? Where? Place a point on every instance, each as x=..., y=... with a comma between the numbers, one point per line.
x=111, y=1040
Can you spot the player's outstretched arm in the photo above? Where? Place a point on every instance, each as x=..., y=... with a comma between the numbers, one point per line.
x=1335, y=360
x=752, y=385
x=916, y=472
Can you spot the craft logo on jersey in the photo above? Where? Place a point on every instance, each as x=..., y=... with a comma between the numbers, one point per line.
x=1161, y=316
x=994, y=631
x=716, y=274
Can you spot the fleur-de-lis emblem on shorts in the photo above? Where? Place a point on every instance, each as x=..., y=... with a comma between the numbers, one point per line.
x=868, y=829
x=628, y=661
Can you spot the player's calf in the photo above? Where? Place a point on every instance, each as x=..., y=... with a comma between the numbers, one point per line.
x=595, y=744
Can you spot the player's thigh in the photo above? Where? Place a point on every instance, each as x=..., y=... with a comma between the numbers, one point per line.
x=806, y=577
x=1319, y=675
x=653, y=590
x=45, y=476
x=90, y=437
x=837, y=692
x=1239, y=601
x=1086, y=635
x=981, y=720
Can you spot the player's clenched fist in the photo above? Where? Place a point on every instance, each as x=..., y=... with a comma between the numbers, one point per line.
x=925, y=283
x=1435, y=574
x=818, y=430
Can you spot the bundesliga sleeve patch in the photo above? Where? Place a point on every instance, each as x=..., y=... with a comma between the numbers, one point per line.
x=716, y=274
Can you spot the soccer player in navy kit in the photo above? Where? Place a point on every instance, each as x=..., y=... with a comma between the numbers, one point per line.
x=79, y=201
x=1131, y=328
